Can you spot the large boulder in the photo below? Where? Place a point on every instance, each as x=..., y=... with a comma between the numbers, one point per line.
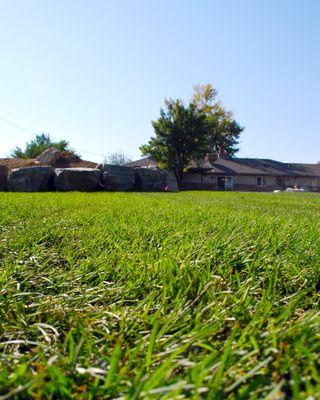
x=49, y=156
x=31, y=179
x=3, y=177
x=150, y=180
x=171, y=182
x=79, y=179
x=117, y=177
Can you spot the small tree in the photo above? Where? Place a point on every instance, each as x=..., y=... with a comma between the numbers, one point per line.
x=38, y=145
x=117, y=158
x=187, y=133
x=181, y=136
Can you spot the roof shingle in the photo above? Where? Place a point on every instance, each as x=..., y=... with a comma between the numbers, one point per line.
x=243, y=166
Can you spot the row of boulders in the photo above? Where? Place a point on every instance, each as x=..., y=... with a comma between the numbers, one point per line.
x=3, y=177
x=104, y=177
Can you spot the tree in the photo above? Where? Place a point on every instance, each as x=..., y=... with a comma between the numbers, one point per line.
x=187, y=133
x=181, y=136
x=38, y=145
x=224, y=129
x=117, y=158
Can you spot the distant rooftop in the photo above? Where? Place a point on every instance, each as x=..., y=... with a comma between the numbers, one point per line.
x=242, y=166
x=146, y=162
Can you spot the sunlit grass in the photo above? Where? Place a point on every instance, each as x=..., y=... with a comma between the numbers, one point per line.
x=159, y=296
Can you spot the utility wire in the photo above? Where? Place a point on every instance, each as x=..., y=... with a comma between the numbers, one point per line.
x=17, y=126
x=34, y=134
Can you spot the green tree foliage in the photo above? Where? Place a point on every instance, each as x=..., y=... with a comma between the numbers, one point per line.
x=181, y=136
x=224, y=129
x=38, y=145
x=185, y=133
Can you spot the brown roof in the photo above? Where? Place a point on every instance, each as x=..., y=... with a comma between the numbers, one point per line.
x=256, y=166
x=146, y=162
x=243, y=166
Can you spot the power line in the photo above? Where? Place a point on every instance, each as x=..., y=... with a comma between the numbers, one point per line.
x=34, y=134
x=89, y=152
x=17, y=126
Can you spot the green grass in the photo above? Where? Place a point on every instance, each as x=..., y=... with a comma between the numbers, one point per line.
x=197, y=295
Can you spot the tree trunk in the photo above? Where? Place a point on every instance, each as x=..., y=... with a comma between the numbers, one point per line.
x=178, y=173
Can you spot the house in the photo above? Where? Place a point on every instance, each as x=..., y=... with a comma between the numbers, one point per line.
x=218, y=172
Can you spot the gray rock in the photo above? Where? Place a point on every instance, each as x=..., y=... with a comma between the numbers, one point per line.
x=3, y=177
x=150, y=180
x=31, y=179
x=80, y=179
x=49, y=156
x=118, y=177
x=171, y=182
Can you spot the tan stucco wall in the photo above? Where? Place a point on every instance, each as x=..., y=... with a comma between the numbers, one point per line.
x=241, y=180
x=196, y=178
x=252, y=180
x=299, y=181
x=247, y=182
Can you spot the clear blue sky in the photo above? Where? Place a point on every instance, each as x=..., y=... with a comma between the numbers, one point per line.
x=96, y=72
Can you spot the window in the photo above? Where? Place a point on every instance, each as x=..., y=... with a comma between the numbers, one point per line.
x=229, y=183
x=261, y=181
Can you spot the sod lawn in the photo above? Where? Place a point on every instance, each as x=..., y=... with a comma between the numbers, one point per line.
x=191, y=295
